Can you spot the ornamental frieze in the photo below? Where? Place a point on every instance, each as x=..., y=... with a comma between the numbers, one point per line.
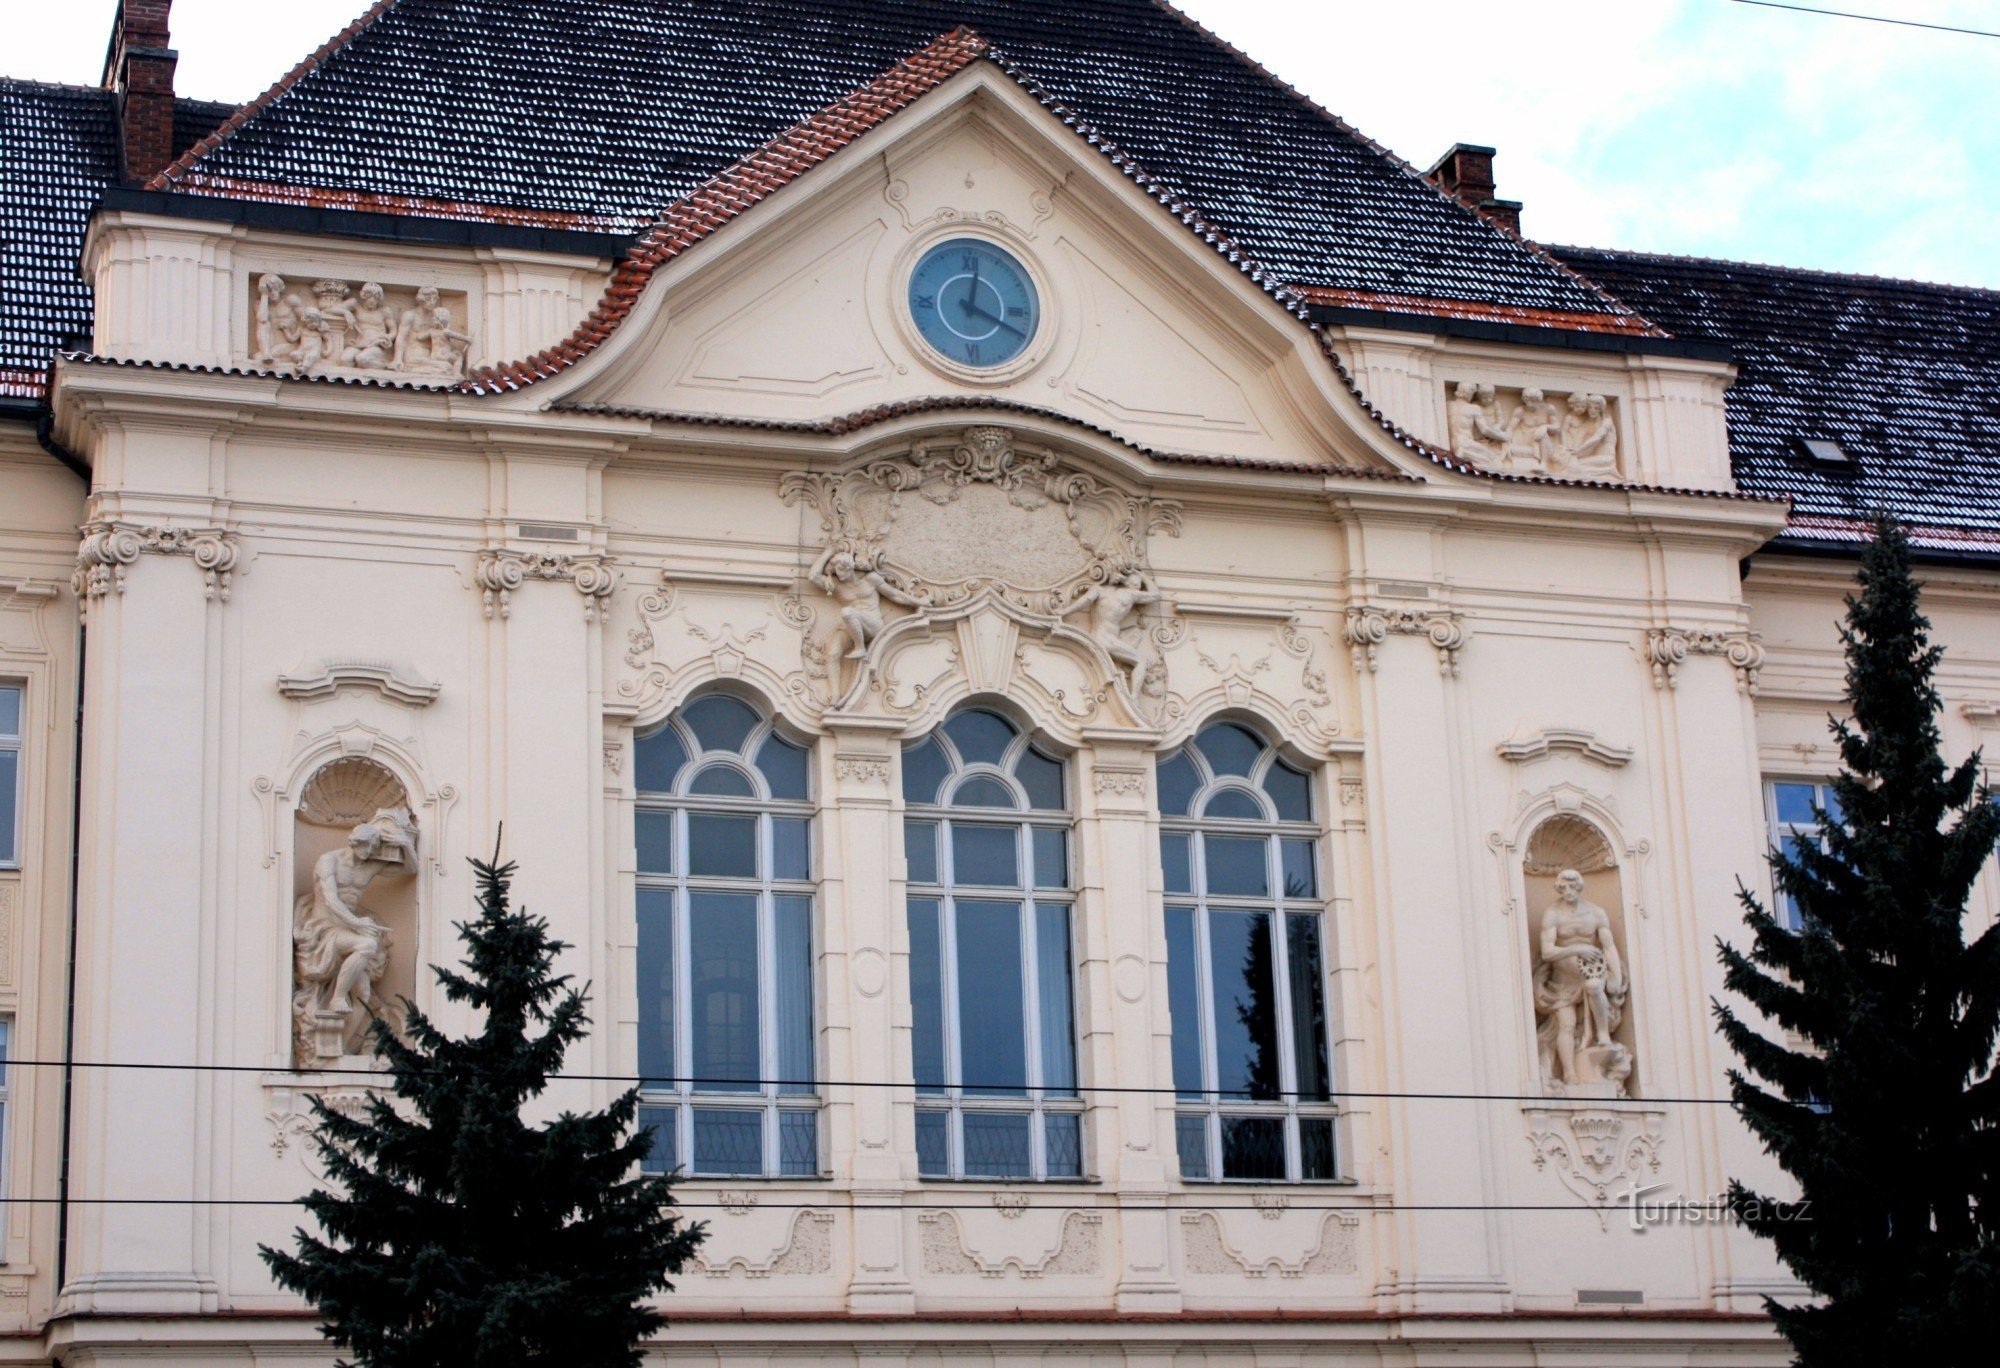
x=370, y=330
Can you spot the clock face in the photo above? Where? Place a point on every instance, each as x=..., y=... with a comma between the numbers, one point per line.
x=974, y=303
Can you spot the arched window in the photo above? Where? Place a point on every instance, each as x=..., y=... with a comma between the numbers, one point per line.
x=1245, y=966
x=724, y=835
x=987, y=837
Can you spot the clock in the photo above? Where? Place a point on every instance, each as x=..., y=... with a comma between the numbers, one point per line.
x=974, y=303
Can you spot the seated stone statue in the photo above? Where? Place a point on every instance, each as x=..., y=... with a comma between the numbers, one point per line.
x=339, y=952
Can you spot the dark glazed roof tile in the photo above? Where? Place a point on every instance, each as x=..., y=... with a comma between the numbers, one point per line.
x=610, y=110
x=1904, y=376
x=58, y=150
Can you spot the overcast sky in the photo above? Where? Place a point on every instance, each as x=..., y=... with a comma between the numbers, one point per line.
x=1706, y=127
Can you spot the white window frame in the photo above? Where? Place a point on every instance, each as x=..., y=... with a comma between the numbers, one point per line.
x=1213, y=1107
x=12, y=743
x=1039, y=1102
x=675, y=1104
x=1777, y=831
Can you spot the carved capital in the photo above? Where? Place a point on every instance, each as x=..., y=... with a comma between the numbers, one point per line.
x=1667, y=649
x=1366, y=628
x=862, y=769
x=1120, y=783
x=501, y=572
x=108, y=549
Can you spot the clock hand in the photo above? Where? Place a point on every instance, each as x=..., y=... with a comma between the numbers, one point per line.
x=978, y=312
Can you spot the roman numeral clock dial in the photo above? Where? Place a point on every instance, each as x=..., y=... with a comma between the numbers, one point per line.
x=974, y=303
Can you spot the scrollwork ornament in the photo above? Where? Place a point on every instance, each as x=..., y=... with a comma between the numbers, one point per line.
x=1366, y=628
x=108, y=549
x=501, y=573
x=1668, y=648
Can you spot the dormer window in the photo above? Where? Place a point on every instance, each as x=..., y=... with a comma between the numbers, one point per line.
x=1824, y=451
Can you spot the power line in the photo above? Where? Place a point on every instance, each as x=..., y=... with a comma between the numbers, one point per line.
x=1871, y=18
x=1358, y=1207
x=942, y=1095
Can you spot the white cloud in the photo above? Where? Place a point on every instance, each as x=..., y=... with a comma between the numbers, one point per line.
x=1695, y=126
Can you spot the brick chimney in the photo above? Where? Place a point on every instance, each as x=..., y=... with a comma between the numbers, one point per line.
x=1465, y=172
x=139, y=69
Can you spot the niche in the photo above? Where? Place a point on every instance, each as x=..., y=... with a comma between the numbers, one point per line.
x=354, y=912
x=1581, y=975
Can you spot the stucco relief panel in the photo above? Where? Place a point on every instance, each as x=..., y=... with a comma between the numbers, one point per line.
x=1270, y=1242
x=994, y=1245
x=786, y=1244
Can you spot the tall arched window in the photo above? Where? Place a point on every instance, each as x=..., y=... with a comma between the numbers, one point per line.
x=987, y=836
x=724, y=834
x=1245, y=967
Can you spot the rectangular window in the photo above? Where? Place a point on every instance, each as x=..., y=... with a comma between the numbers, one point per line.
x=10, y=774
x=1246, y=989
x=993, y=1038
x=1788, y=809
x=726, y=990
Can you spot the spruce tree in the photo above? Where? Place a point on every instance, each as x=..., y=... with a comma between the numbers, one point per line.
x=1886, y=1116
x=462, y=1235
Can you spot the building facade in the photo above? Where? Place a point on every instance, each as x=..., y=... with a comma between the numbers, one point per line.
x=1141, y=722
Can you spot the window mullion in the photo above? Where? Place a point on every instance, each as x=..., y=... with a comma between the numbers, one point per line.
x=954, y=1091
x=767, y=996
x=1281, y=1006
x=1029, y=935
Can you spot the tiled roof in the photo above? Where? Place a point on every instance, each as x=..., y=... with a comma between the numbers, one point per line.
x=1904, y=376
x=58, y=150
x=611, y=110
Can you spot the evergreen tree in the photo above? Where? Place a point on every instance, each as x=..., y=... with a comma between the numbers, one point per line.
x=1886, y=1118
x=466, y=1237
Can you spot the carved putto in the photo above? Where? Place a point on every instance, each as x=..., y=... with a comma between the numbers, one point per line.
x=1525, y=431
x=361, y=331
x=339, y=951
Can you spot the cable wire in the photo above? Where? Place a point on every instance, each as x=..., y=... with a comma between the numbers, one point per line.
x=1871, y=18
x=943, y=1094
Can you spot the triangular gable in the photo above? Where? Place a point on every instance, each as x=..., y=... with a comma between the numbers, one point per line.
x=1176, y=339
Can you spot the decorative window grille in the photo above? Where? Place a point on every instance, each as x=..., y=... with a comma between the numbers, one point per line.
x=987, y=837
x=1246, y=964
x=725, y=907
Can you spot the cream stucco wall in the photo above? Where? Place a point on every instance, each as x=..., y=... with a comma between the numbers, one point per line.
x=322, y=571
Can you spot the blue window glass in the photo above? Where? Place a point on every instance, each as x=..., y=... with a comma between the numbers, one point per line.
x=982, y=738
x=656, y=760
x=726, y=967
x=1229, y=749
x=1247, y=973
x=784, y=768
x=993, y=1038
x=722, y=781
x=719, y=722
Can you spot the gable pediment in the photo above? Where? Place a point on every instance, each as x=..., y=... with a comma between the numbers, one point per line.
x=799, y=310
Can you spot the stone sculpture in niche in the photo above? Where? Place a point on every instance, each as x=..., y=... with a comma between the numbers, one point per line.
x=1525, y=432
x=1580, y=993
x=360, y=332
x=340, y=952
x=853, y=580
